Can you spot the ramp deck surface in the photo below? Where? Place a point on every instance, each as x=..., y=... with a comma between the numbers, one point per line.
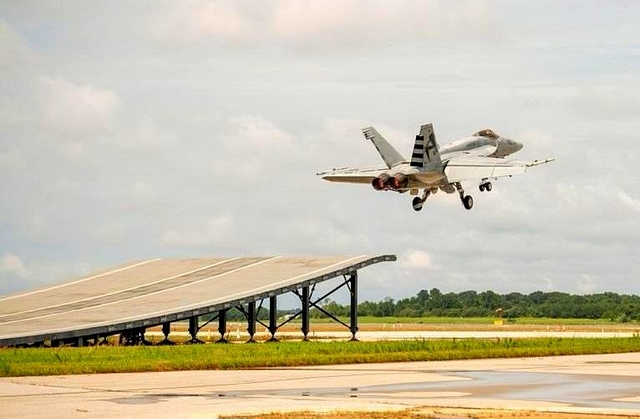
x=152, y=292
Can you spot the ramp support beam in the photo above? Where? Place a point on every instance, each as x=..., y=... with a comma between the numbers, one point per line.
x=222, y=325
x=251, y=320
x=166, y=329
x=305, y=313
x=193, y=330
x=353, y=290
x=273, y=318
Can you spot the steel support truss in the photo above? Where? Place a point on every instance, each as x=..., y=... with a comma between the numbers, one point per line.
x=250, y=311
x=305, y=294
x=306, y=299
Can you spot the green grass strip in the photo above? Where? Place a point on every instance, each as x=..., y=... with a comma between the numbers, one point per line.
x=105, y=359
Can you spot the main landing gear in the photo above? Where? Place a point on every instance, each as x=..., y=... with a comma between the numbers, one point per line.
x=418, y=202
x=467, y=200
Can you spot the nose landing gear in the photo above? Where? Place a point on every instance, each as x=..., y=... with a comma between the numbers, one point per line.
x=487, y=186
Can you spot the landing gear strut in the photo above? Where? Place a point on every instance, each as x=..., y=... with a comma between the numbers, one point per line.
x=467, y=200
x=418, y=202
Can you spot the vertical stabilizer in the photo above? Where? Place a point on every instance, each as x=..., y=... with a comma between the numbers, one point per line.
x=425, y=149
x=386, y=151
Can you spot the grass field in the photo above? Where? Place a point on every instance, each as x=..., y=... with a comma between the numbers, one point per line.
x=90, y=360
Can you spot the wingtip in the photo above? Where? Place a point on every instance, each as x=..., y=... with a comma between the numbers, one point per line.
x=368, y=133
x=539, y=162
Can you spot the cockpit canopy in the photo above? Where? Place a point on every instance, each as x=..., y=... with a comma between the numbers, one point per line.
x=486, y=133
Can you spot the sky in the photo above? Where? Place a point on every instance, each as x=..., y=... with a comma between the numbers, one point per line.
x=136, y=130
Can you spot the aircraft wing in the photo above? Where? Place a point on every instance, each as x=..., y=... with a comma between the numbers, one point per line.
x=352, y=175
x=477, y=168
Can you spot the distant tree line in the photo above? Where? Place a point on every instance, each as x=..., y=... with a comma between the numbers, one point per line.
x=433, y=303
x=608, y=305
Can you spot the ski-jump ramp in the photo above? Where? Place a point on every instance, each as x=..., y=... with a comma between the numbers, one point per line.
x=131, y=297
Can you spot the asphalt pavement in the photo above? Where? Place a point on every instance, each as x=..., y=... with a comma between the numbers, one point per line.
x=608, y=384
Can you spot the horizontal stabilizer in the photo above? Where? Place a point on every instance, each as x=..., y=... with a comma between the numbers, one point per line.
x=352, y=175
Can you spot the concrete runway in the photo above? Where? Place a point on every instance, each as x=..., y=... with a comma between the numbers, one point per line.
x=608, y=384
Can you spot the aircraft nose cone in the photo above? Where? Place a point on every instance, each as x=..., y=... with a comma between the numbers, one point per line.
x=518, y=146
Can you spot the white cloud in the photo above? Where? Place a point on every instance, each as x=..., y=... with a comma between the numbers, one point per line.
x=147, y=135
x=586, y=284
x=69, y=107
x=613, y=102
x=301, y=20
x=256, y=131
x=549, y=284
x=15, y=52
x=12, y=160
x=322, y=23
x=416, y=259
x=625, y=198
x=143, y=191
x=12, y=264
x=253, y=149
x=577, y=197
x=216, y=231
x=598, y=100
x=16, y=276
x=196, y=20
x=211, y=18
x=37, y=226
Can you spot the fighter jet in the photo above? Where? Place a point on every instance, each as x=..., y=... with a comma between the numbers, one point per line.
x=477, y=159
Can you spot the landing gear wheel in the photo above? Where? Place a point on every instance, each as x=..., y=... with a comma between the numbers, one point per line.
x=488, y=186
x=417, y=203
x=467, y=201
x=481, y=187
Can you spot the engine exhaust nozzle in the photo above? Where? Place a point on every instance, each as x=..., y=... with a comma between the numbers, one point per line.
x=380, y=183
x=398, y=181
